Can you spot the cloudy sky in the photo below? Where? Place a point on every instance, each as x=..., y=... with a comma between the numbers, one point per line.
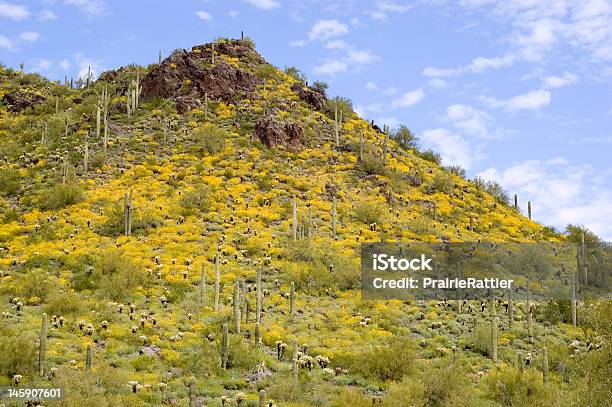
x=513, y=90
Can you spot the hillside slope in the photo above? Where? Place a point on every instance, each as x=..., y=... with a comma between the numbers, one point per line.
x=204, y=159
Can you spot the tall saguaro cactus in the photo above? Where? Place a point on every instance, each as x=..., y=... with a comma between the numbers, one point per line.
x=516, y=201
x=519, y=362
x=202, y=284
x=493, y=348
x=86, y=156
x=257, y=335
x=337, y=125
x=294, y=222
x=292, y=299
x=192, y=392
x=42, y=348
x=128, y=209
x=510, y=308
x=259, y=295
x=236, y=304
x=88, y=357
x=217, y=282
x=334, y=220
x=224, y=345
x=529, y=209
x=262, y=398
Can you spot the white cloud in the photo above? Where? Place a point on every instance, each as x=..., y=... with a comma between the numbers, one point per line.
x=355, y=21
x=453, y=149
x=323, y=30
x=482, y=64
x=297, y=43
x=64, y=64
x=560, y=193
x=469, y=120
x=41, y=65
x=29, y=36
x=409, y=99
x=436, y=72
x=532, y=100
x=437, y=83
x=47, y=15
x=13, y=11
x=559, y=81
x=336, y=44
x=204, y=15
x=371, y=86
x=93, y=8
x=233, y=13
x=264, y=4
x=85, y=63
x=385, y=7
x=361, y=57
x=5, y=42
x=331, y=67
x=391, y=90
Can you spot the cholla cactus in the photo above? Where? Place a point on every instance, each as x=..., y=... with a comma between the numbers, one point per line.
x=17, y=378
x=280, y=349
x=240, y=398
x=134, y=385
x=104, y=324
x=89, y=329
x=322, y=361
x=162, y=386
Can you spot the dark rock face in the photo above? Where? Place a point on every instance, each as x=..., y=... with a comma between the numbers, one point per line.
x=186, y=76
x=20, y=100
x=310, y=95
x=272, y=132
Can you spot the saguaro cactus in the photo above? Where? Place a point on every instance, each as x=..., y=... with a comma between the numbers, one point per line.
x=42, y=345
x=258, y=295
x=236, y=304
x=510, y=308
x=545, y=364
x=98, y=119
x=217, y=282
x=212, y=54
x=294, y=370
x=202, y=284
x=519, y=362
x=516, y=201
x=86, y=156
x=192, y=392
x=257, y=335
x=128, y=207
x=334, y=217
x=292, y=299
x=493, y=345
x=294, y=222
x=224, y=345
x=88, y=357
x=573, y=283
x=494, y=339
x=529, y=209
x=262, y=398
x=385, y=145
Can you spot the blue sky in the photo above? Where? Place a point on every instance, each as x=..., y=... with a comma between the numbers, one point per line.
x=518, y=90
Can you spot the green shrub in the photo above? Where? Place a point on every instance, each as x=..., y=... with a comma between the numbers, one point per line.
x=210, y=139
x=62, y=195
x=430, y=155
x=9, y=181
x=510, y=388
x=368, y=212
x=387, y=362
x=18, y=350
x=441, y=182
x=198, y=199
x=371, y=165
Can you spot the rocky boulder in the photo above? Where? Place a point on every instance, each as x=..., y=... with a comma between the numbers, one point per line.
x=272, y=132
x=20, y=100
x=310, y=95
